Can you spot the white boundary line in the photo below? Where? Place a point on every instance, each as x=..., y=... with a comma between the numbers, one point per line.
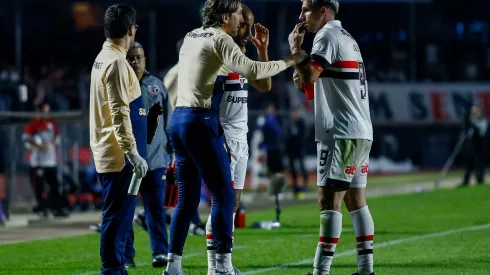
x=343, y=253
x=380, y=245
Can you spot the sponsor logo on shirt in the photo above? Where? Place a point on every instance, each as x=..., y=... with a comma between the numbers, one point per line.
x=98, y=65
x=242, y=81
x=350, y=170
x=237, y=99
x=365, y=169
x=197, y=35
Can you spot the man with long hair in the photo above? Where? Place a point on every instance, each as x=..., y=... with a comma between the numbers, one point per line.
x=205, y=58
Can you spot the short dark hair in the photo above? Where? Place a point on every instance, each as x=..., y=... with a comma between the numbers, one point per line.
x=331, y=4
x=118, y=19
x=214, y=9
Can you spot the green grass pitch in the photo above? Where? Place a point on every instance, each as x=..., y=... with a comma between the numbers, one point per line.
x=438, y=232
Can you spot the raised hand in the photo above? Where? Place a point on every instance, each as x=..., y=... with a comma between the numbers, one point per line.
x=296, y=38
x=261, y=38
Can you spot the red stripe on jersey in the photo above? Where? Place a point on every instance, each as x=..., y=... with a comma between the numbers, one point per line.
x=317, y=66
x=346, y=64
x=209, y=236
x=309, y=91
x=365, y=238
x=329, y=240
x=233, y=76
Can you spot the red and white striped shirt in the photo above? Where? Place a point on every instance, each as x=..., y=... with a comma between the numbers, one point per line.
x=42, y=132
x=341, y=93
x=234, y=108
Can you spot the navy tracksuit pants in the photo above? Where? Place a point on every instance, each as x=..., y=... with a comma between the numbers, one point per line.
x=200, y=154
x=153, y=194
x=117, y=218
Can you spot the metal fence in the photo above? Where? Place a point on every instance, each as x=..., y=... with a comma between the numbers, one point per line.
x=428, y=146
x=72, y=153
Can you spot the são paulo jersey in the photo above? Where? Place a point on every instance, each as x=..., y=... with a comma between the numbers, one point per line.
x=342, y=87
x=234, y=109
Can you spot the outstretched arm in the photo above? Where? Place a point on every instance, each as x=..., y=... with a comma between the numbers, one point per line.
x=233, y=58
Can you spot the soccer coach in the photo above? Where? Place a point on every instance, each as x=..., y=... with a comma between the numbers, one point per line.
x=117, y=129
x=196, y=133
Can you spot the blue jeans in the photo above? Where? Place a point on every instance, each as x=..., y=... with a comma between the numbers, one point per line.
x=153, y=194
x=117, y=218
x=200, y=154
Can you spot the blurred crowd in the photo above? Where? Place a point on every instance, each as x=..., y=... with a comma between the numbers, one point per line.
x=61, y=86
x=66, y=87
x=450, y=45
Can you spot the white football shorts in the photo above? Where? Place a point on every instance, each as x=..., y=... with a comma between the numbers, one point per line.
x=238, y=164
x=343, y=159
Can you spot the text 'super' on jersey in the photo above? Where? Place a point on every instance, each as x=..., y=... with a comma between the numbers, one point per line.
x=234, y=107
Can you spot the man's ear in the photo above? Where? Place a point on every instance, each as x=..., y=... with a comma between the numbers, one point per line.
x=132, y=31
x=323, y=10
x=225, y=18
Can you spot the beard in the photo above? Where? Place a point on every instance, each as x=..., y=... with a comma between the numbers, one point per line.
x=242, y=43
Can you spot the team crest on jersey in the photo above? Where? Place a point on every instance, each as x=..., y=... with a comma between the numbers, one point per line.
x=242, y=81
x=154, y=89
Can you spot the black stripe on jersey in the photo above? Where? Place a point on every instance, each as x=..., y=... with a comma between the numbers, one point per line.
x=320, y=60
x=365, y=252
x=327, y=253
x=235, y=87
x=340, y=75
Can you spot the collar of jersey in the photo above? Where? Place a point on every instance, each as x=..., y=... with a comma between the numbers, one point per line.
x=334, y=23
x=119, y=49
x=146, y=74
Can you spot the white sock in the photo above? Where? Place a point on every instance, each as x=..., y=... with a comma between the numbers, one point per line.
x=174, y=265
x=211, y=249
x=364, y=230
x=330, y=230
x=223, y=262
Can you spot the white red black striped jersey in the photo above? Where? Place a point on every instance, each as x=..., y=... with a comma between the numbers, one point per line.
x=234, y=108
x=342, y=89
x=42, y=132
